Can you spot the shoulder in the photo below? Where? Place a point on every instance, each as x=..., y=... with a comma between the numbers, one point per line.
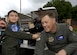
x=65, y=26
x=62, y=24
x=43, y=33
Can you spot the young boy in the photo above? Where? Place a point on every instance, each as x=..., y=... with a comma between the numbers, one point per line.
x=13, y=33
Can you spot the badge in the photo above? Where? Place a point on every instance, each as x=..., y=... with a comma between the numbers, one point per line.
x=60, y=37
x=51, y=39
x=15, y=28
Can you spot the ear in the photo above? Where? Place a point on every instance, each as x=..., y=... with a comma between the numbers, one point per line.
x=54, y=20
x=7, y=19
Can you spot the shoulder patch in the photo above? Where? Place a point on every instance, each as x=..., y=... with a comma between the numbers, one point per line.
x=15, y=28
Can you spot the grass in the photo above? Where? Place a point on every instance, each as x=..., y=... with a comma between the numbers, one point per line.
x=75, y=29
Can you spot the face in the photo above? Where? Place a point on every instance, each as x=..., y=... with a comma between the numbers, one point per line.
x=48, y=23
x=13, y=17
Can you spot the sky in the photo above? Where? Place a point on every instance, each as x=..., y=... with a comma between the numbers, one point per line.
x=26, y=5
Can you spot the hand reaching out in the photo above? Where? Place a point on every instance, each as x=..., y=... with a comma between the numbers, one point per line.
x=35, y=36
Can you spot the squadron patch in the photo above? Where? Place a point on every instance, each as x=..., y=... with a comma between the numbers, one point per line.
x=60, y=37
x=15, y=28
x=50, y=39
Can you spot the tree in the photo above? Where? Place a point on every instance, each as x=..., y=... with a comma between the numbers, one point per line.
x=49, y=4
x=63, y=8
x=74, y=13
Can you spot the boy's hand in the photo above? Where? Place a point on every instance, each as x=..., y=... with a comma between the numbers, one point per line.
x=35, y=36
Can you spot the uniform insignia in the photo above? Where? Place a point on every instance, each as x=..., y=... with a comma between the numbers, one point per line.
x=50, y=39
x=70, y=28
x=60, y=37
x=15, y=28
x=38, y=39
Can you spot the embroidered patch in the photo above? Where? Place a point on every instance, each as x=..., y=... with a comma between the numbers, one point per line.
x=15, y=28
x=50, y=39
x=60, y=37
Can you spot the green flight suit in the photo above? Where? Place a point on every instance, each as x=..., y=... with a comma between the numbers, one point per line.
x=62, y=39
x=10, y=44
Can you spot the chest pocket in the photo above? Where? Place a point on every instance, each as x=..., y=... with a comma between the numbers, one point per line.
x=56, y=40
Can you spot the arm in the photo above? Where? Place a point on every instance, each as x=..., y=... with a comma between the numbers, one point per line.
x=72, y=46
x=20, y=34
x=40, y=45
x=72, y=41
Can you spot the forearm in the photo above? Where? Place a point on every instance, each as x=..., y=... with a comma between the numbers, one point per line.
x=20, y=35
x=38, y=49
x=70, y=48
x=40, y=45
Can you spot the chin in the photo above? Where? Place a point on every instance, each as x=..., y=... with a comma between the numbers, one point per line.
x=47, y=30
x=13, y=21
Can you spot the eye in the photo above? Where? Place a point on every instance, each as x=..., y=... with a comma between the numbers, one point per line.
x=11, y=15
x=16, y=15
x=46, y=21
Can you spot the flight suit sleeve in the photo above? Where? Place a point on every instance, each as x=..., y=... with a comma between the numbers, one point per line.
x=72, y=39
x=40, y=45
x=19, y=34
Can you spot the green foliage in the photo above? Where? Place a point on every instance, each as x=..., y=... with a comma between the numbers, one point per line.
x=74, y=13
x=49, y=4
x=75, y=29
x=63, y=7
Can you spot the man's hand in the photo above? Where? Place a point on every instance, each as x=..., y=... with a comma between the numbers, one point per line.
x=35, y=36
x=2, y=23
x=61, y=52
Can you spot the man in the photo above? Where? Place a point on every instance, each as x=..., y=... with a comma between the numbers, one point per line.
x=59, y=39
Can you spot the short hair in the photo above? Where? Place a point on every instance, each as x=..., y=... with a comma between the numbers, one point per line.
x=12, y=11
x=51, y=14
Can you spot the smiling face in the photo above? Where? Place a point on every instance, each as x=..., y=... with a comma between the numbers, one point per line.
x=48, y=23
x=13, y=17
